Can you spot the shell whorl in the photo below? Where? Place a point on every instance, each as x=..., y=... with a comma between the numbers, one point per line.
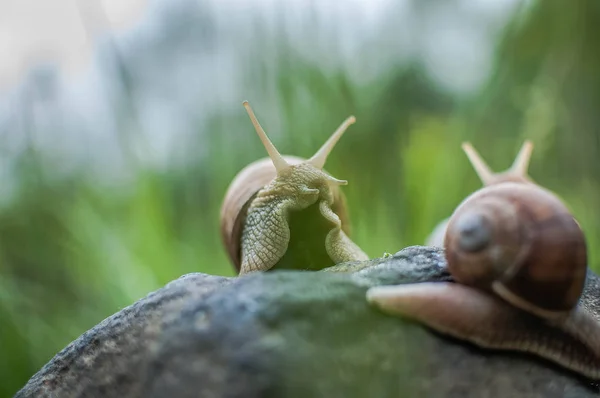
x=520, y=241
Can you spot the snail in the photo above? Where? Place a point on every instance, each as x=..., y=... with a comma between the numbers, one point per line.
x=516, y=173
x=518, y=260
x=287, y=212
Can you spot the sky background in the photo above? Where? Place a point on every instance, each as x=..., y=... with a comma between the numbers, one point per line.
x=58, y=31
x=53, y=30
x=55, y=62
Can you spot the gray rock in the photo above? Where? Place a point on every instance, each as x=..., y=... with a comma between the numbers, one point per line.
x=292, y=334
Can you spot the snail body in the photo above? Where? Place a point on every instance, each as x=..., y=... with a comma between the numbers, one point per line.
x=518, y=259
x=286, y=211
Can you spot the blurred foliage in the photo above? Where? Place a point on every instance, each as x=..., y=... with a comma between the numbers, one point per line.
x=73, y=251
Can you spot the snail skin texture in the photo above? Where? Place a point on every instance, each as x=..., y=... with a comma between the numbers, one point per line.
x=287, y=212
x=519, y=263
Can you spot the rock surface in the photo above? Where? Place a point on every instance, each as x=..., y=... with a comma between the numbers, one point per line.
x=292, y=334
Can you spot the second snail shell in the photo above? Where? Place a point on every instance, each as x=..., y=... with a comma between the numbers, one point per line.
x=520, y=241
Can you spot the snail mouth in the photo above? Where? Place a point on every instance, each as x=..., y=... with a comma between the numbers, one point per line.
x=306, y=248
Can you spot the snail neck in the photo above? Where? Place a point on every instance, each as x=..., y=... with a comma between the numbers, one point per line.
x=306, y=249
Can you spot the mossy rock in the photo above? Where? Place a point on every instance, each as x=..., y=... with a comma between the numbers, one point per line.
x=292, y=334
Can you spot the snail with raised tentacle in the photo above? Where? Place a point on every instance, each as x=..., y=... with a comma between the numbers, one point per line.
x=287, y=212
x=517, y=173
x=519, y=260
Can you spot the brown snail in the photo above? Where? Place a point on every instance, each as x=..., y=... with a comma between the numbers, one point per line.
x=287, y=212
x=519, y=260
x=516, y=173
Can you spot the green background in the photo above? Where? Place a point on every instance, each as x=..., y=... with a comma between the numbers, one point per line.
x=73, y=251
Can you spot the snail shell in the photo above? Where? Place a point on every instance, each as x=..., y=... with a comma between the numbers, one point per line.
x=520, y=262
x=287, y=211
x=520, y=241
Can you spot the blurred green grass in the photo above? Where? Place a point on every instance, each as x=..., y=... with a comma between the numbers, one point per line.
x=73, y=252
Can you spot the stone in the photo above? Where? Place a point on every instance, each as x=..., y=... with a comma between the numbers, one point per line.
x=293, y=334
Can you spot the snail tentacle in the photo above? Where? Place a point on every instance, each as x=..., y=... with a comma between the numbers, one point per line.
x=521, y=163
x=318, y=159
x=518, y=172
x=278, y=160
x=481, y=168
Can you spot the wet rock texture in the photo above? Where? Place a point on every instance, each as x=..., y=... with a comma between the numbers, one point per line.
x=292, y=334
